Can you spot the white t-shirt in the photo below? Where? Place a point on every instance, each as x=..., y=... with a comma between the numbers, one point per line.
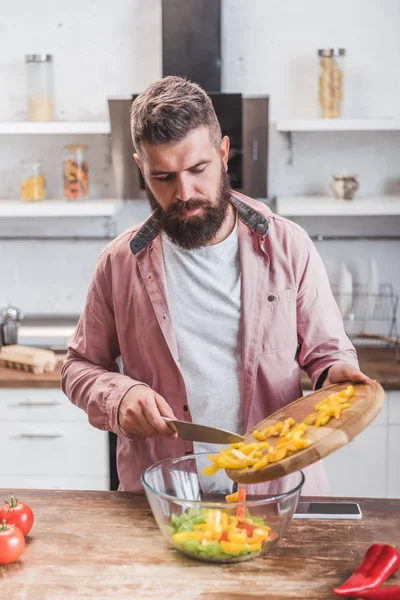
x=204, y=296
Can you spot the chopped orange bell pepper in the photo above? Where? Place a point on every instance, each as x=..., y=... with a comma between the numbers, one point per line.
x=241, y=510
x=232, y=497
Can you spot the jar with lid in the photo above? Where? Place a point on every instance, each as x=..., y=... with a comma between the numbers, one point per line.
x=331, y=82
x=75, y=172
x=32, y=184
x=40, y=87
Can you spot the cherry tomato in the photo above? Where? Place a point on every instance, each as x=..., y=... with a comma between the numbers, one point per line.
x=17, y=513
x=12, y=543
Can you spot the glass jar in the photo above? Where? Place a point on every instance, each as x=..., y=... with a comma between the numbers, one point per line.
x=32, y=185
x=331, y=82
x=75, y=172
x=40, y=87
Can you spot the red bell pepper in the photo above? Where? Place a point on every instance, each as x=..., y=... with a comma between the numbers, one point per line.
x=379, y=563
x=382, y=593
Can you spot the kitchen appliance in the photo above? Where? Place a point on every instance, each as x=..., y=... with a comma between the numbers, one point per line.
x=191, y=42
x=10, y=319
x=244, y=119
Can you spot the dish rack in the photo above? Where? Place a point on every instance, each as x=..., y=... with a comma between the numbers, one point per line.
x=371, y=320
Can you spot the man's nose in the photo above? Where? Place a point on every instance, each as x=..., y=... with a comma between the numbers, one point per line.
x=184, y=191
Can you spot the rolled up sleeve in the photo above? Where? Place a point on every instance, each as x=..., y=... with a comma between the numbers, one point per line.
x=321, y=335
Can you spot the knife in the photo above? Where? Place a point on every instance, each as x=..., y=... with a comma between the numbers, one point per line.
x=193, y=432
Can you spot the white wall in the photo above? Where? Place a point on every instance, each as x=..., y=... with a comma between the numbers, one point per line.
x=269, y=47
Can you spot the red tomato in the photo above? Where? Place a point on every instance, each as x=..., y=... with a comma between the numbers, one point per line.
x=12, y=543
x=17, y=513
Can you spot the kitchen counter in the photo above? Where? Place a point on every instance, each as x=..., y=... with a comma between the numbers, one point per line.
x=377, y=363
x=106, y=545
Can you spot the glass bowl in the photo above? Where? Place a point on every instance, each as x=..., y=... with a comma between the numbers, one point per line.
x=193, y=515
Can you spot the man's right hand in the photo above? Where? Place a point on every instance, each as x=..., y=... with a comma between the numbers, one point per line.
x=140, y=413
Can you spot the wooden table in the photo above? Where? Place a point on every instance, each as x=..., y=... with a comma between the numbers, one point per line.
x=104, y=545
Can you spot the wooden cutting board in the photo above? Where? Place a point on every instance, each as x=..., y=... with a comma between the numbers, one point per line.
x=365, y=406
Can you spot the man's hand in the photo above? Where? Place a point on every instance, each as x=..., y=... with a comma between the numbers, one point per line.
x=344, y=372
x=140, y=410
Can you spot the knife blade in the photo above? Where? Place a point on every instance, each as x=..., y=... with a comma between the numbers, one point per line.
x=192, y=432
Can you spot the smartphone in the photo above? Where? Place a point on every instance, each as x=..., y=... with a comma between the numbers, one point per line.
x=327, y=510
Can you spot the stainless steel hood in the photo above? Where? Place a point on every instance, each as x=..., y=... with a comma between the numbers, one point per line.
x=191, y=32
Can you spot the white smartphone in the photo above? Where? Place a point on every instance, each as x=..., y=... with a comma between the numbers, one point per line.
x=327, y=510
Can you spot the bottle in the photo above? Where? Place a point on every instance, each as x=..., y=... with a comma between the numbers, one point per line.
x=75, y=172
x=32, y=186
x=331, y=82
x=40, y=87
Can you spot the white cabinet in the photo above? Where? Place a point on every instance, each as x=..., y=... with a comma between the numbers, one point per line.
x=359, y=468
x=394, y=461
x=394, y=407
x=394, y=446
x=370, y=464
x=49, y=443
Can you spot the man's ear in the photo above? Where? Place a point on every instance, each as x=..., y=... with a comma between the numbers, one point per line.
x=139, y=164
x=225, y=145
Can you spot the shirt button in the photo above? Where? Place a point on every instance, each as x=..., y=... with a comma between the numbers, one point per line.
x=185, y=407
x=271, y=298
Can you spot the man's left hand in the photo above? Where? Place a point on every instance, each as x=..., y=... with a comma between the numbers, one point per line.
x=342, y=371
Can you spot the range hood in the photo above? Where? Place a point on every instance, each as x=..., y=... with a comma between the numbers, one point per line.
x=191, y=43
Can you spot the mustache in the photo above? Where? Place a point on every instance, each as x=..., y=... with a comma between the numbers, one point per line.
x=179, y=207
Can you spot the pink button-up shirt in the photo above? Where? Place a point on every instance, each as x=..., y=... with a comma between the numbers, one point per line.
x=290, y=321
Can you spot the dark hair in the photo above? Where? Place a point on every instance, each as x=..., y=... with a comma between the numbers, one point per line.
x=169, y=109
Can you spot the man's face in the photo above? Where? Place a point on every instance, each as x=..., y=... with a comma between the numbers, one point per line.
x=188, y=187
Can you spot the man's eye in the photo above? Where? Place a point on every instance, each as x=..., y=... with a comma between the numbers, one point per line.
x=165, y=178
x=198, y=170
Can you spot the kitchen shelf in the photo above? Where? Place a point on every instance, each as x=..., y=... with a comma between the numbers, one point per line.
x=318, y=206
x=291, y=125
x=55, y=127
x=60, y=208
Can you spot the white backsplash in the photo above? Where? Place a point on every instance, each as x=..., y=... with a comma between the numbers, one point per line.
x=102, y=49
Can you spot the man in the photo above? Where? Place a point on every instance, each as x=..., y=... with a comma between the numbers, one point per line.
x=212, y=305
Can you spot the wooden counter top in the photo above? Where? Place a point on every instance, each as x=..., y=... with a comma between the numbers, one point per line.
x=379, y=364
x=106, y=545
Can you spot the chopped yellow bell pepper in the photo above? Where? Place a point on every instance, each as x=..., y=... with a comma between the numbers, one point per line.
x=253, y=547
x=237, y=535
x=210, y=470
x=259, y=534
x=259, y=436
x=224, y=521
x=232, y=547
x=185, y=536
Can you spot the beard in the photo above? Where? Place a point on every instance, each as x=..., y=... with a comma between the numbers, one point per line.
x=199, y=230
